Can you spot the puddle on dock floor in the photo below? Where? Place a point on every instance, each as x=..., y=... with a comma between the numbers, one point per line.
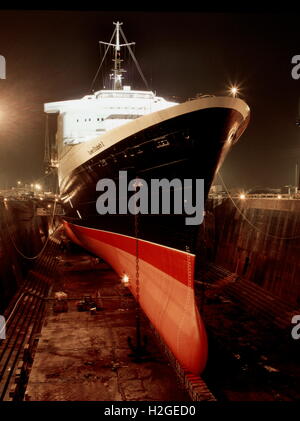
x=85, y=357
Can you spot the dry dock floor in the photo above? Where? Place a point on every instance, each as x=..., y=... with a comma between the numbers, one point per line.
x=85, y=357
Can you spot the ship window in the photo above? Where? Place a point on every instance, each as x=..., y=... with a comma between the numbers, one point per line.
x=89, y=119
x=98, y=119
x=77, y=120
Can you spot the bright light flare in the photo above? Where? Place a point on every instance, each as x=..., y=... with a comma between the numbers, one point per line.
x=242, y=196
x=125, y=280
x=234, y=91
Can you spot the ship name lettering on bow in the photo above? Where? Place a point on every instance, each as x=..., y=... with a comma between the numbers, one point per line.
x=96, y=148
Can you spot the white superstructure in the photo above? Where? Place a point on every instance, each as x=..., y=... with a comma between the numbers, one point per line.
x=90, y=125
x=93, y=115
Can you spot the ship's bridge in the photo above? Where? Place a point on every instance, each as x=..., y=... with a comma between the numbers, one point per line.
x=83, y=119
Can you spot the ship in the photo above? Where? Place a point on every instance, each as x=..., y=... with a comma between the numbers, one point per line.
x=118, y=130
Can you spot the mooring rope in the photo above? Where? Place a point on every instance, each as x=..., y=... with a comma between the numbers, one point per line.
x=46, y=242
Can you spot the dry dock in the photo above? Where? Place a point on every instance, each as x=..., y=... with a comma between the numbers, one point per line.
x=86, y=357
x=247, y=292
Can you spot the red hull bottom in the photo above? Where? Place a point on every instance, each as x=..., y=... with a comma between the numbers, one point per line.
x=166, y=288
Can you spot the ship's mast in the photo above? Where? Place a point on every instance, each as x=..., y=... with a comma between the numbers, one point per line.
x=117, y=70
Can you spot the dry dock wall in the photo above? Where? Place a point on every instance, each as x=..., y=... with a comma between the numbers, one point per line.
x=22, y=228
x=260, y=242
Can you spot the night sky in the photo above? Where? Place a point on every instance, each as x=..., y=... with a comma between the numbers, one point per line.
x=54, y=55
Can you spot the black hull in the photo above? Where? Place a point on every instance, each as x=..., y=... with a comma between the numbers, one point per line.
x=192, y=146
